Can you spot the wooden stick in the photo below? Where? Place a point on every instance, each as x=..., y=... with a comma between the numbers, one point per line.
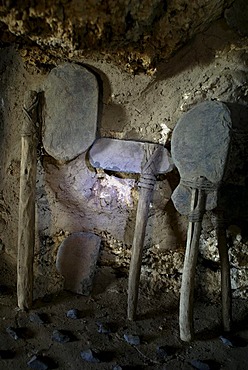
x=147, y=183
x=26, y=227
x=190, y=260
x=226, y=295
x=137, y=249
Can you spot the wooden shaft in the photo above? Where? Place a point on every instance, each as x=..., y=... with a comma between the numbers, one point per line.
x=226, y=295
x=137, y=249
x=188, y=277
x=26, y=227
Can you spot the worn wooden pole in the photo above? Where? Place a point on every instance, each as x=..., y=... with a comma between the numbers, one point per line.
x=146, y=184
x=190, y=261
x=226, y=295
x=26, y=227
x=137, y=249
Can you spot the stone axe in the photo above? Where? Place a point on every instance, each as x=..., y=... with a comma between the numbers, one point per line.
x=200, y=150
x=148, y=160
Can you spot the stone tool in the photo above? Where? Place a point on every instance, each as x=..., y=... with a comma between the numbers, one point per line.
x=148, y=160
x=200, y=150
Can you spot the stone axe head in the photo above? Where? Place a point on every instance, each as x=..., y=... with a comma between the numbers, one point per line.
x=128, y=156
x=70, y=111
x=200, y=148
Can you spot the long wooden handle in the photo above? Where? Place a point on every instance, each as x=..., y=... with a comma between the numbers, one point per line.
x=137, y=249
x=190, y=260
x=226, y=295
x=147, y=181
x=26, y=227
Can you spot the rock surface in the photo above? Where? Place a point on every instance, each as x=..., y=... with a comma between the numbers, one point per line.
x=76, y=261
x=70, y=111
x=236, y=16
x=135, y=34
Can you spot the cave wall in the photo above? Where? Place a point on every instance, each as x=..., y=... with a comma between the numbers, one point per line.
x=139, y=106
x=133, y=34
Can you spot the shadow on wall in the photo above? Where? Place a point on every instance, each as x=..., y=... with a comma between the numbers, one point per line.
x=202, y=50
x=233, y=195
x=111, y=117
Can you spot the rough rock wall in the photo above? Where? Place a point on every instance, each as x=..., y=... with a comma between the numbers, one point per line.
x=71, y=197
x=135, y=34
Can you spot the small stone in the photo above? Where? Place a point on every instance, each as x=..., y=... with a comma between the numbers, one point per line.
x=60, y=336
x=89, y=356
x=164, y=351
x=6, y=354
x=117, y=367
x=200, y=365
x=103, y=328
x=134, y=340
x=38, y=363
x=37, y=318
x=205, y=364
x=73, y=313
x=14, y=332
x=226, y=341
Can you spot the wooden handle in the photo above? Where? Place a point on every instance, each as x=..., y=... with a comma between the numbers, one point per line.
x=226, y=295
x=26, y=227
x=137, y=249
x=190, y=260
x=147, y=182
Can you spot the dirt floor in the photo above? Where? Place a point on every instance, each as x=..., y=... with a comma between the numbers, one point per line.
x=102, y=324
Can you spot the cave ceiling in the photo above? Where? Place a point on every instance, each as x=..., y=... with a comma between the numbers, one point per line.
x=135, y=34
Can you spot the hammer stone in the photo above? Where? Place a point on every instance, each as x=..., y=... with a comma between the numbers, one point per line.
x=76, y=261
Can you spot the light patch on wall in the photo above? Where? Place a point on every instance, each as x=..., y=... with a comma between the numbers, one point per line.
x=111, y=190
x=165, y=132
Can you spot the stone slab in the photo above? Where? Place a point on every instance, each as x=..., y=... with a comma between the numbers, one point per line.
x=200, y=141
x=126, y=156
x=76, y=261
x=200, y=147
x=70, y=111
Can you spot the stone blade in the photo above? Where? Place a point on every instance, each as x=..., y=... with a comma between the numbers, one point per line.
x=70, y=111
x=200, y=147
x=126, y=156
x=201, y=140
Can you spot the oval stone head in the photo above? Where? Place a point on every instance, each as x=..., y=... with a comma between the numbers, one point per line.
x=70, y=112
x=200, y=147
x=201, y=140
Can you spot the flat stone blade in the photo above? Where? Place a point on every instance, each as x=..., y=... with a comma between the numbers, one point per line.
x=76, y=261
x=200, y=141
x=126, y=156
x=70, y=111
x=200, y=147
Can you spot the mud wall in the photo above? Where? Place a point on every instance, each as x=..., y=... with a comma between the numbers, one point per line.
x=74, y=197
